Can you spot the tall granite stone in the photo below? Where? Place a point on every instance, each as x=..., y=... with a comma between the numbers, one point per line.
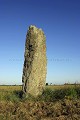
x=35, y=62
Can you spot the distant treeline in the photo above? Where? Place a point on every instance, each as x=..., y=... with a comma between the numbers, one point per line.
x=72, y=84
x=11, y=85
x=64, y=84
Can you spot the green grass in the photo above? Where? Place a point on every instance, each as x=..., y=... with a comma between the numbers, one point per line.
x=9, y=93
x=50, y=95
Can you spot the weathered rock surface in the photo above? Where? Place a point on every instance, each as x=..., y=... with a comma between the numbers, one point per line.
x=34, y=69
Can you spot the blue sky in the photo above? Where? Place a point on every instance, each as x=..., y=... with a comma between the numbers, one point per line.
x=60, y=21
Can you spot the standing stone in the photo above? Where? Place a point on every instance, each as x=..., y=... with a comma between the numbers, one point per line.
x=34, y=69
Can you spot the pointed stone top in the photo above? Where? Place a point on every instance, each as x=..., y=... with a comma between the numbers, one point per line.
x=34, y=27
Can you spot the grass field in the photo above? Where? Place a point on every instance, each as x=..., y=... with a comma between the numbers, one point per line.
x=19, y=87
x=14, y=93
x=10, y=88
x=58, y=102
x=55, y=87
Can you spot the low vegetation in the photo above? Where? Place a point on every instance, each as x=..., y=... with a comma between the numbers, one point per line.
x=55, y=103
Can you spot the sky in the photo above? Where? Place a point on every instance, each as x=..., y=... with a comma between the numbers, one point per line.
x=60, y=21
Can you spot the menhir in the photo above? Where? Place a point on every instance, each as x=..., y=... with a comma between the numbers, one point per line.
x=35, y=62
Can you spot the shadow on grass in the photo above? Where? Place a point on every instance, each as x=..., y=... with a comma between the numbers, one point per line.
x=49, y=95
x=18, y=93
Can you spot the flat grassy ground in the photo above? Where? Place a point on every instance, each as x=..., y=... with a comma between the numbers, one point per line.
x=60, y=86
x=19, y=87
x=58, y=102
x=10, y=88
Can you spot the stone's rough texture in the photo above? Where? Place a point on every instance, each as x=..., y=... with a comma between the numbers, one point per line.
x=34, y=70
